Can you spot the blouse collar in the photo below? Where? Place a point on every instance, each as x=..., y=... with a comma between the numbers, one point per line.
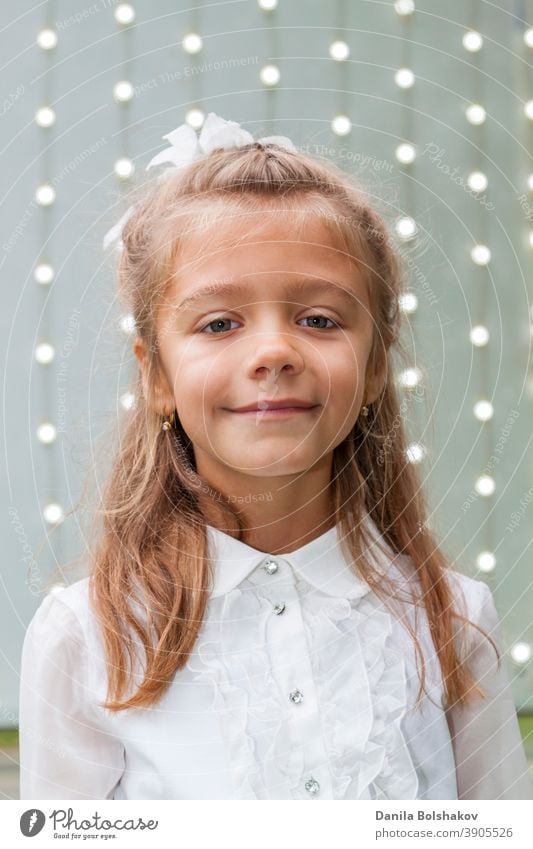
x=321, y=562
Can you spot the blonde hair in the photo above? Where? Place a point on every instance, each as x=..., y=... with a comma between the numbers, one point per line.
x=151, y=574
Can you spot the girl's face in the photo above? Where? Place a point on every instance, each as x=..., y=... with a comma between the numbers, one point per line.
x=271, y=334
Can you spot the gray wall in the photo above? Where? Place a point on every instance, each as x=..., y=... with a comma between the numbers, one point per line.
x=78, y=313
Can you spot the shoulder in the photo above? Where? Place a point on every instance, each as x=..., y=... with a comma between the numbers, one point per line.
x=473, y=597
x=61, y=615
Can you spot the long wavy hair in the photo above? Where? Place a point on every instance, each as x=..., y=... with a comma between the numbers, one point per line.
x=151, y=571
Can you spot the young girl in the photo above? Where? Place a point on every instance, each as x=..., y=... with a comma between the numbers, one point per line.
x=267, y=615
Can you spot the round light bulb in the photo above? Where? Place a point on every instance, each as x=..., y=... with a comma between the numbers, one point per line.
x=404, y=7
x=475, y=114
x=45, y=116
x=43, y=273
x=339, y=50
x=405, y=153
x=127, y=324
x=46, y=433
x=45, y=194
x=192, y=43
x=267, y=5
x=528, y=37
x=485, y=485
x=53, y=513
x=528, y=110
x=530, y=182
x=521, y=653
x=479, y=335
x=406, y=227
x=270, y=75
x=47, y=39
x=472, y=41
x=410, y=378
x=486, y=561
x=124, y=168
x=195, y=118
x=123, y=91
x=404, y=78
x=415, y=452
x=44, y=353
x=480, y=254
x=477, y=181
x=483, y=410
x=127, y=400
x=341, y=125
x=124, y=14
x=408, y=302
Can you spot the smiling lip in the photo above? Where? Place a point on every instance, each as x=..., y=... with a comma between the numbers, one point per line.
x=268, y=406
x=274, y=413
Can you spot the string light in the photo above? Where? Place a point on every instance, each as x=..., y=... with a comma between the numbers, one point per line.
x=485, y=485
x=486, y=561
x=480, y=254
x=479, y=335
x=521, y=653
x=123, y=91
x=192, y=43
x=124, y=168
x=528, y=37
x=195, y=118
x=477, y=181
x=472, y=41
x=415, y=452
x=127, y=400
x=267, y=5
x=404, y=7
x=339, y=50
x=45, y=194
x=43, y=273
x=47, y=39
x=410, y=377
x=270, y=75
x=408, y=302
x=530, y=182
x=405, y=153
x=53, y=513
x=404, y=78
x=46, y=433
x=483, y=410
x=127, y=324
x=44, y=353
x=475, y=114
x=341, y=125
x=45, y=116
x=528, y=110
x=124, y=14
x=406, y=227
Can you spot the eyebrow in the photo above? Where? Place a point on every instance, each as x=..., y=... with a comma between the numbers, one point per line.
x=295, y=287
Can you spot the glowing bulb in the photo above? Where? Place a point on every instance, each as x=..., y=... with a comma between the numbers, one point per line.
x=472, y=41
x=127, y=324
x=45, y=116
x=339, y=50
x=530, y=182
x=267, y=5
x=44, y=353
x=405, y=153
x=404, y=7
x=43, y=273
x=528, y=37
x=483, y=410
x=475, y=114
x=53, y=513
x=46, y=433
x=341, y=125
x=531, y=238
x=477, y=181
x=124, y=14
x=270, y=75
x=195, y=118
x=485, y=561
x=123, y=91
x=485, y=485
x=528, y=110
x=47, y=39
x=127, y=400
x=480, y=254
x=406, y=227
x=410, y=378
x=521, y=653
x=479, y=335
x=408, y=302
x=404, y=78
x=415, y=452
x=192, y=43
x=124, y=168
x=45, y=194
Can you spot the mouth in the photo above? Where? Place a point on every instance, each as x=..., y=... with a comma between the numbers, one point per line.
x=274, y=413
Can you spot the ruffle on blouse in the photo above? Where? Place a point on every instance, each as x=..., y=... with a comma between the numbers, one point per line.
x=245, y=695
x=362, y=683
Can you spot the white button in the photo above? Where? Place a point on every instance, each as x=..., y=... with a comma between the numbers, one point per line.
x=279, y=608
x=312, y=786
x=270, y=566
x=296, y=696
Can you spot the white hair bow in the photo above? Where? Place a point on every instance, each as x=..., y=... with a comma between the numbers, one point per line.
x=185, y=147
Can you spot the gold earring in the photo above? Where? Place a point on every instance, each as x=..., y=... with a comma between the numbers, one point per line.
x=169, y=421
x=365, y=411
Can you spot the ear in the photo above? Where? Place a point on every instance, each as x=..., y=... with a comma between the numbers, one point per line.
x=375, y=381
x=155, y=386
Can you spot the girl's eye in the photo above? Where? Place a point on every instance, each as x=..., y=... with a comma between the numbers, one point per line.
x=220, y=321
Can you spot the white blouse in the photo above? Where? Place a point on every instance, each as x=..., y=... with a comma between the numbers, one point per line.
x=301, y=686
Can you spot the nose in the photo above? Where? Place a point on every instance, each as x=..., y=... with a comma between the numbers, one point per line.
x=273, y=353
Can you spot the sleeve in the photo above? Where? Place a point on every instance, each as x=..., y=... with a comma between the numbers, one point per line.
x=64, y=751
x=488, y=749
